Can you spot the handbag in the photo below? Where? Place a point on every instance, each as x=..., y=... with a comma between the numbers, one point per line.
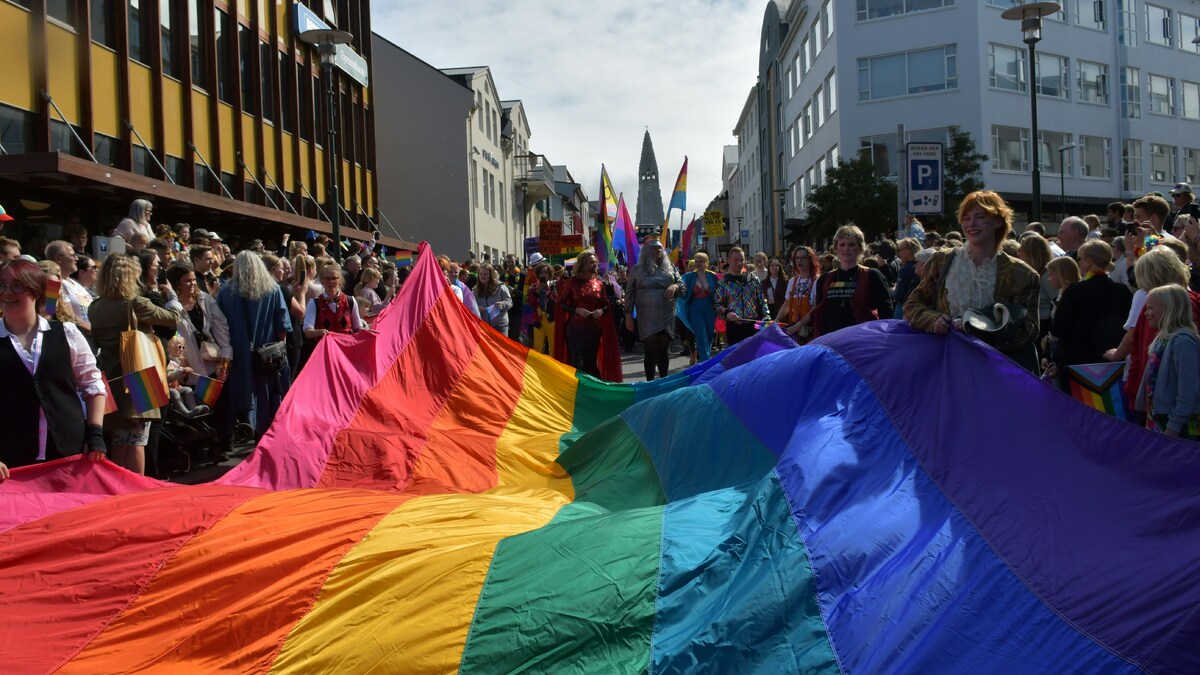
x=267, y=359
x=139, y=352
x=209, y=351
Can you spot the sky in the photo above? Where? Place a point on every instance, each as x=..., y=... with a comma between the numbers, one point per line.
x=595, y=75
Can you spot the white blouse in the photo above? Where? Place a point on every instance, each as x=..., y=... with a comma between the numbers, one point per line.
x=970, y=286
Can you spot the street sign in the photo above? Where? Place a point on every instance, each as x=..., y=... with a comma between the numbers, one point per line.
x=345, y=58
x=745, y=234
x=925, y=185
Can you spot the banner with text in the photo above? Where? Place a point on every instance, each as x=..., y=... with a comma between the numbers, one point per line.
x=714, y=224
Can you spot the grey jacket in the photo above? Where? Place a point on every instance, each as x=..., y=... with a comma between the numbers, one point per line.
x=1177, y=389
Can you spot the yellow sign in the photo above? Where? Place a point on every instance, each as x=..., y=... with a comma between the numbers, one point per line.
x=714, y=224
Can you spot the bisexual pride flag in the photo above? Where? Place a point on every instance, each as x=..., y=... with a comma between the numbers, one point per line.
x=437, y=498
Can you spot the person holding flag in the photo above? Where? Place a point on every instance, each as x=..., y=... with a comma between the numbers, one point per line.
x=740, y=300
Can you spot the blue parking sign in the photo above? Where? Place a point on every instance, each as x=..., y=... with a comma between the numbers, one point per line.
x=924, y=178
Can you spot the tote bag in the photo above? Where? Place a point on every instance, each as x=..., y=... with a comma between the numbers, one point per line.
x=141, y=351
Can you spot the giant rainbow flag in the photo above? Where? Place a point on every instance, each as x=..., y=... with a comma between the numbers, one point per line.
x=435, y=498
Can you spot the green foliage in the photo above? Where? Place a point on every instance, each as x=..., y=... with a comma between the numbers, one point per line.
x=852, y=193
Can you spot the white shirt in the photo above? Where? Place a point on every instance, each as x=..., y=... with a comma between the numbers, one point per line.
x=310, y=313
x=127, y=228
x=88, y=379
x=970, y=286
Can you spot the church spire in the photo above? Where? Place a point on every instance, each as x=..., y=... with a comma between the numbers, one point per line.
x=650, y=205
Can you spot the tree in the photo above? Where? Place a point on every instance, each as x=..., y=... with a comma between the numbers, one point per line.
x=852, y=193
x=961, y=176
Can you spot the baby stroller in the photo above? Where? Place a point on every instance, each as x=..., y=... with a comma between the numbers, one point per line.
x=186, y=441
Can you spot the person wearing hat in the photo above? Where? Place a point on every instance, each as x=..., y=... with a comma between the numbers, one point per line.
x=1183, y=201
x=4, y=217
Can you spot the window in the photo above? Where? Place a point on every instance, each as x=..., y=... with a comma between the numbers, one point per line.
x=818, y=108
x=1162, y=94
x=141, y=161
x=908, y=73
x=1095, y=155
x=1131, y=166
x=248, y=51
x=479, y=109
x=492, y=193
x=1162, y=163
x=804, y=58
x=806, y=117
x=1131, y=93
x=1057, y=16
x=166, y=20
x=1006, y=69
x=1090, y=14
x=817, y=42
x=1050, y=159
x=1010, y=149
x=1053, y=76
x=139, y=49
x=61, y=10
x=16, y=130
x=304, y=85
x=826, y=22
x=266, y=71
x=487, y=118
x=830, y=94
x=197, y=45
x=819, y=173
x=104, y=23
x=1191, y=164
x=791, y=141
x=1159, y=25
x=1189, y=29
x=881, y=9
x=224, y=45
x=1127, y=23
x=474, y=183
x=1190, y=95
x=104, y=148
x=882, y=151
x=61, y=139
x=287, y=97
x=1093, y=82
x=503, y=214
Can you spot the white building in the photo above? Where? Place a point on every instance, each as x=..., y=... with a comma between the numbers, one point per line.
x=745, y=184
x=489, y=169
x=1119, y=81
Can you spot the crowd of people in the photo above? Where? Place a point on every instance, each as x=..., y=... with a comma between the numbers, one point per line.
x=250, y=313
x=243, y=314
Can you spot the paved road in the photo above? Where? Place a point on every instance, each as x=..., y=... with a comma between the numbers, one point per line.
x=633, y=370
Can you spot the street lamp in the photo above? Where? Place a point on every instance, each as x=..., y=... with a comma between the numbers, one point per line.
x=1030, y=15
x=782, y=193
x=326, y=41
x=1062, y=174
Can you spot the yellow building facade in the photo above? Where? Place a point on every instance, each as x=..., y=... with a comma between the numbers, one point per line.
x=214, y=110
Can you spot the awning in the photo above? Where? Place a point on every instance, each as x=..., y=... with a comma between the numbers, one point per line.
x=54, y=177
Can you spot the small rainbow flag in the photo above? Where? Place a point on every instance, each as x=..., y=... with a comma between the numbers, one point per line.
x=53, y=287
x=146, y=388
x=404, y=258
x=208, y=390
x=1098, y=385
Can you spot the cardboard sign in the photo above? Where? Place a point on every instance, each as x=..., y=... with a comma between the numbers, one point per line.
x=714, y=224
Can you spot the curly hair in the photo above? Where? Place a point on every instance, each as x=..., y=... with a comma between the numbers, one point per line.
x=119, y=278
x=993, y=205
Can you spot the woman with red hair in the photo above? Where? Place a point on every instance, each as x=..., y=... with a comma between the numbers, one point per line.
x=799, y=297
x=46, y=367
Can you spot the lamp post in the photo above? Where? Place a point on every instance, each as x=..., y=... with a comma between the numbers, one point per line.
x=1062, y=174
x=326, y=41
x=782, y=193
x=1030, y=15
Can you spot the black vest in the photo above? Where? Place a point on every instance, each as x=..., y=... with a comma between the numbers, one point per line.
x=51, y=389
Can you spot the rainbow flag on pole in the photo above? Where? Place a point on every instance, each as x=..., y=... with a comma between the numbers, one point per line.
x=678, y=201
x=404, y=258
x=208, y=390
x=146, y=389
x=53, y=289
x=625, y=235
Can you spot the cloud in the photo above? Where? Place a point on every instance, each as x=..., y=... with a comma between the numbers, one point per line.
x=595, y=76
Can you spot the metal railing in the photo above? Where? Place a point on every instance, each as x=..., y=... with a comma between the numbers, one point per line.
x=70, y=127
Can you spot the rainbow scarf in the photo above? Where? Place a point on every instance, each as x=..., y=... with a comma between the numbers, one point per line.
x=208, y=390
x=146, y=390
x=467, y=505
